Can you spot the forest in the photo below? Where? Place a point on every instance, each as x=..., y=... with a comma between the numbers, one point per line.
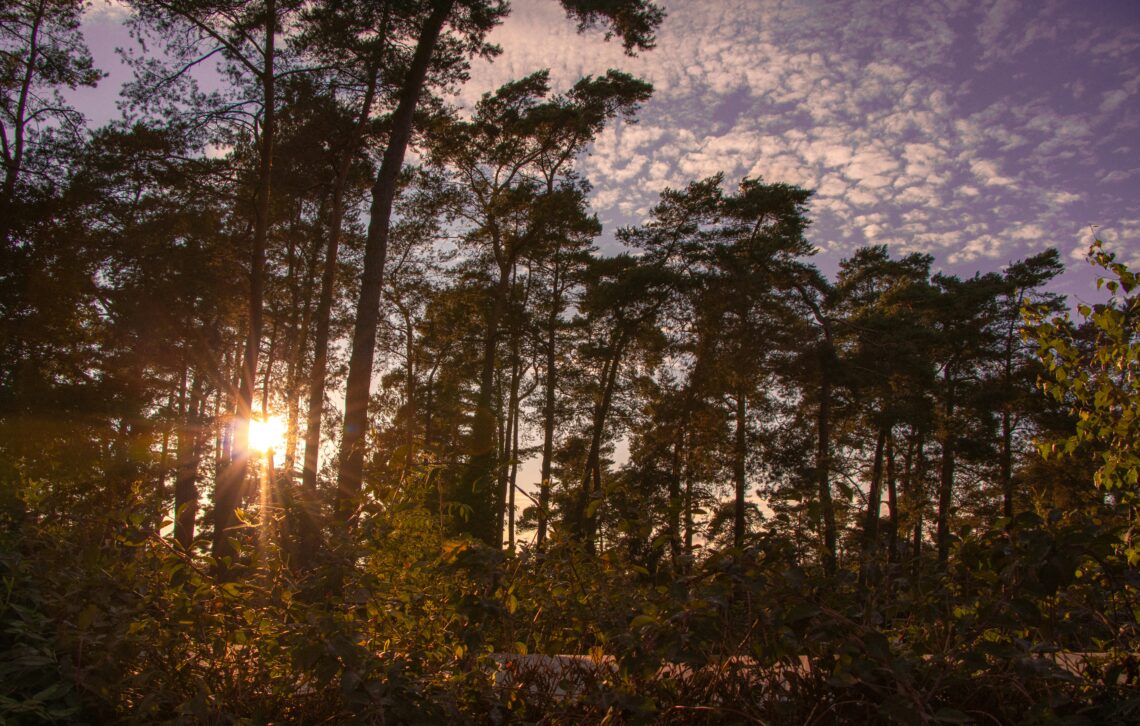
x=320, y=403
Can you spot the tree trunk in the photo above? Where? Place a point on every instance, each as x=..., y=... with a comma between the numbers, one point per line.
x=550, y=390
x=372, y=277
x=740, y=452
x=918, y=492
x=1007, y=419
x=916, y=544
x=675, y=501
x=874, y=496
x=1007, y=463
x=270, y=360
x=581, y=517
x=510, y=457
x=946, y=480
x=190, y=435
x=689, y=505
x=874, y=505
x=319, y=372
x=514, y=476
x=502, y=468
x=300, y=318
x=823, y=462
x=476, y=490
x=892, y=504
x=409, y=394
x=179, y=413
x=14, y=158
x=231, y=482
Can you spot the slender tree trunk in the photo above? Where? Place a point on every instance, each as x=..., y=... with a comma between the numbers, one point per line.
x=14, y=155
x=300, y=319
x=874, y=496
x=409, y=394
x=594, y=540
x=549, y=391
x=270, y=360
x=502, y=468
x=689, y=506
x=892, y=504
x=319, y=372
x=918, y=488
x=292, y=423
x=231, y=482
x=916, y=544
x=190, y=435
x=221, y=432
x=512, y=434
x=1007, y=419
x=871, y=516
x=823, y=462
x=946, y=481
x=1007, y=463
x=582, y=517
x=740, y=453
x=826, y=357
x=909, y=499
x=514, y=476
x=375, y=255
x=179, y=411
x=476, y=485
x=429, y=406
x=676, y=503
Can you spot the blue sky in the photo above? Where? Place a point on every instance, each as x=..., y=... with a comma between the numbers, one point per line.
x=978, y=131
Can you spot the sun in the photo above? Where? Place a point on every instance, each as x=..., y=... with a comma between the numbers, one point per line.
x=266, y=433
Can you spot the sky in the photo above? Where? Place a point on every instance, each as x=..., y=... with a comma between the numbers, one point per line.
x=979, y=131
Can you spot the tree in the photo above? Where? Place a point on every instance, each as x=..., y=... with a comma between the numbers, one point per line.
x=1098, y=383
x=961, y=317
x=364, y=69
x=762, y=236
x=880, y=304
x=514, y=167
x=560, y=273
x=622, y=306
x=633, y=20
x=823, y=355
x=42, y=51
x=245, y=36
x=474, y=23
x=623, y=299
x=1016, y=367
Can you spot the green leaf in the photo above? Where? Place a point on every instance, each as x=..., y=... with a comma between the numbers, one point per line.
x=801, y=611
x=592, y=508
x=642, y=621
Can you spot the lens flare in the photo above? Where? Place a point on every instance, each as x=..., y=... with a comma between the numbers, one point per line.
x=266, y=433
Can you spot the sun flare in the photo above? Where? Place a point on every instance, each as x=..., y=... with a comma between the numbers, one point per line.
x=266, y=433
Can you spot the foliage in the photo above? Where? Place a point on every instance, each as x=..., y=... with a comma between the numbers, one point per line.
x=1096, y=372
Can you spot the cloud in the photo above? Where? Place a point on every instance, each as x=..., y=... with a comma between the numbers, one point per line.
x=974, y=132
x=1115, y=99
x=986, y=171
x=1118, y=175
x=106, y=11
x=1025, y=232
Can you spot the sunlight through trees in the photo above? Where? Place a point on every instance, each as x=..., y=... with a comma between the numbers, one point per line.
x=697, y=479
